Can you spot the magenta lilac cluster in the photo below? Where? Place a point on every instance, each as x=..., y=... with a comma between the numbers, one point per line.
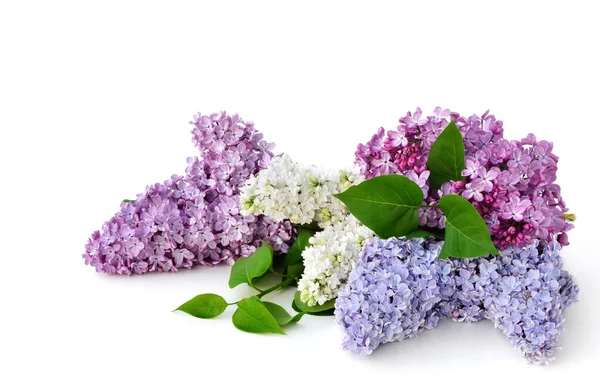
x=400, y=287
x=511, y=183
x=193, y=219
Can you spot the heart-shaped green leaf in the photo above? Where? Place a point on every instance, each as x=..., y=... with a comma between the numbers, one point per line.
x=253, y=316
x=206, y=305
x=245, y=270
x=466, y=232
x=386, y=204
x=281, y=315
x=446, y=158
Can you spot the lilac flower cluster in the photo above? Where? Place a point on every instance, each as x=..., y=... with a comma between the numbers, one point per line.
x=193, y=219
x=400, y=287
x=511, y=183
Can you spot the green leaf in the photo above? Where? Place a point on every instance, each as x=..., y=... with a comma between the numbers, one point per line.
x=419, y=233
x=446, y=158
x=466, y=232
x=128, y=201
x=311, y=226
x=281, y=315
x=437, y=233
x=326, y=309
x=294, y=270
x=294, y=255
x=297, y=317
x=206, y=305
x=386, y=204
x=245, y=270
x=328, y=312
x=252, y=316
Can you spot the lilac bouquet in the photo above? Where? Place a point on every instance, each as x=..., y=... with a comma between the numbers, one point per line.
x=195, y=218
x=458, y=180
x=442, y=218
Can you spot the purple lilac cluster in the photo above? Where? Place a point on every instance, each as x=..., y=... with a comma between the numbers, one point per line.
x=193, y=219
x=511, y=183
x=400, y=287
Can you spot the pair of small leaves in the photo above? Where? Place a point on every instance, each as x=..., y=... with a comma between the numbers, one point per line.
x=252, y=315
x=388, y=205
x=248, y=270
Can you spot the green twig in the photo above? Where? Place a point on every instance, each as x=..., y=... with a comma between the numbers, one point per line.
x=255, y=288
x=276, y=287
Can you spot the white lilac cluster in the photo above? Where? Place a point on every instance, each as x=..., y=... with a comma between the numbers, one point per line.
x=303, y=194
x=330, y=259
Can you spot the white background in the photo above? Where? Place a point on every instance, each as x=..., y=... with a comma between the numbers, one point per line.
x=95, y=99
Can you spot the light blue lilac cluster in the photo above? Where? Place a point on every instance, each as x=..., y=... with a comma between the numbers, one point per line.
x=195, y=218
x=511, y=183
x=400, y=287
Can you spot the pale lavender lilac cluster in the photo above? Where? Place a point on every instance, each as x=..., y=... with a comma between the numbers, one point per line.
x=193, y=219
x=511, y=183
x=400, y=287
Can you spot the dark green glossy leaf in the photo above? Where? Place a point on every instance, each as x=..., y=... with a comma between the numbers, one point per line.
x=328, y=312
x=419, y=233
x=466, y=233
x=386, y=204
x=294, y=255
x=295, y=271
x=253, y=316
x=446, y=158
x=437, y=233
x=326, y=309
x=311, y=226
x=281, y=315
x=245, y=270
x=206, y=305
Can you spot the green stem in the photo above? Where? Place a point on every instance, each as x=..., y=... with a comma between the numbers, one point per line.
x=276, y=287
x=282, y=275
